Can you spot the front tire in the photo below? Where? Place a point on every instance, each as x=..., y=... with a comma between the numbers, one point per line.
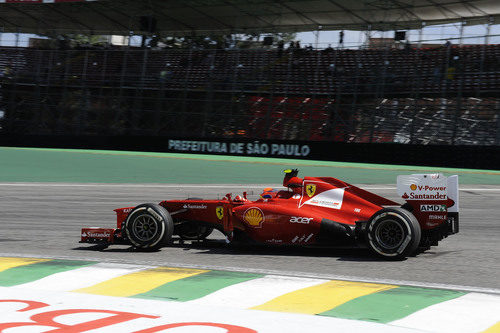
x=393, y=233
x=149, y=226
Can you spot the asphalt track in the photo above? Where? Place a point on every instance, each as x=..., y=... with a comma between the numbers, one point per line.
x=44, y=220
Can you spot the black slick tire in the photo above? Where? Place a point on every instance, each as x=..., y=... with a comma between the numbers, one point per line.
x=393, y=233
x=149, y=226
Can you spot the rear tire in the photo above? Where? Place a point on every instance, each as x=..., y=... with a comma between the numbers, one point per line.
x=149, y=226
x=393, y=233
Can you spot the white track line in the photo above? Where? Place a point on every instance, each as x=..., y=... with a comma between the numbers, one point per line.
x=81, y=277
x=278, y=273
x=256, y=292
x=469, y=313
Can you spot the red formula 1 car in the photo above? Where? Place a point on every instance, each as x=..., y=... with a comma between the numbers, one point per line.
x=313, y=211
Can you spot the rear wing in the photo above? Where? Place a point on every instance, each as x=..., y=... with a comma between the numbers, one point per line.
x=433, y=197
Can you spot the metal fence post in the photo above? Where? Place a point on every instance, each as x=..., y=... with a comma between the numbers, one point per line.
x=456, y=117
x=497, y=111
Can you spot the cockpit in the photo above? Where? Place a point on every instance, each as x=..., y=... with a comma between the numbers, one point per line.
x=291, y=182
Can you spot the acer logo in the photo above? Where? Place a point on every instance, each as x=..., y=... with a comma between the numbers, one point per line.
x=298, y=219
x=94, y=320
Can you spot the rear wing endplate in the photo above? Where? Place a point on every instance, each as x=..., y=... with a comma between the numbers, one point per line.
x=429, y=187
x=433, y=197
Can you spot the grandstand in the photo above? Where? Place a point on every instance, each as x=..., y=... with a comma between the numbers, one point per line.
x=445, y=94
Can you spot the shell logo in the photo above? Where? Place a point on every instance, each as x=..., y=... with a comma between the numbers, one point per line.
x=253, y=216
x=413, y=187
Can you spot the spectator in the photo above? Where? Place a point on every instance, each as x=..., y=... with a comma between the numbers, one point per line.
x=450, y=73
x=7, y=71
x=341, y=38
x=437, y=75
x=281, y=45
x=339, y=70
x=165, y=74
x=184, y=62
x=407, y=46
x=331, y=68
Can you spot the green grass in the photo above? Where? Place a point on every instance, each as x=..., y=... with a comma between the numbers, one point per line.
x=102, y=166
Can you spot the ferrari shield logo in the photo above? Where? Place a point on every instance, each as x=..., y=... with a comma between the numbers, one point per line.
x=310, y=190
x=220, y=212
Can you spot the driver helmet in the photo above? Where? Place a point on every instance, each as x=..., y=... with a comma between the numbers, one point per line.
x=269, y=193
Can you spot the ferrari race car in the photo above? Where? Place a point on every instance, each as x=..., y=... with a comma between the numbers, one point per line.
x=313, y=211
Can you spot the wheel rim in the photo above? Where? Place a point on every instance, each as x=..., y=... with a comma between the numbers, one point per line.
x=144, y=227
x=390, y=234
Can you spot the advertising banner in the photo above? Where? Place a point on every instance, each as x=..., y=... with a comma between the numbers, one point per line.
x=481, y=157
x=254, y=148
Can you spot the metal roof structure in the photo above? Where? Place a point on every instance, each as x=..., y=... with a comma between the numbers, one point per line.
x=201, y=17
